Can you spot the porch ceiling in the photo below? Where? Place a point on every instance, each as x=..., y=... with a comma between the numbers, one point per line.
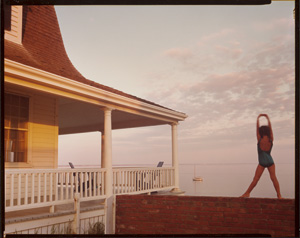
x=79, y=117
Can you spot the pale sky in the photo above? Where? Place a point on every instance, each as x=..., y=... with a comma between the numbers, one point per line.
x=221, y=65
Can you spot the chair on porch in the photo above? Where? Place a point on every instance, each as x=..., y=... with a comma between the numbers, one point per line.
x=143, y=178
x=160, y=164
x=83, y=184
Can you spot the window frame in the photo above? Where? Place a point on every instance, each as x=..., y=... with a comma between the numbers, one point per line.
x=27, y=163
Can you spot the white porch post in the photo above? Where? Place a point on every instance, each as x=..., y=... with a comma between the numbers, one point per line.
x=175, y=163
x=107, y=163
x=107, y=150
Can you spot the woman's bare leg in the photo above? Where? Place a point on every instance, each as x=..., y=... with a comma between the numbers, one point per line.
x=274, y=180
x=258, y=173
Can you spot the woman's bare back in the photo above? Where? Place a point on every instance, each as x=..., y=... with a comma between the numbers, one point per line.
x=265, y=144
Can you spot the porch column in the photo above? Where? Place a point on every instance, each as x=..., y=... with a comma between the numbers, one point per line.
x=107, y=150
x=107, y=164
x=175, y=163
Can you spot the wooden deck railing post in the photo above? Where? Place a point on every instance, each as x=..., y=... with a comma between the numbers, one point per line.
x=76, y=221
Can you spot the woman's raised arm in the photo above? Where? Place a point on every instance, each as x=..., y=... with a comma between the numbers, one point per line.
x=270, y=126
x=257, y=127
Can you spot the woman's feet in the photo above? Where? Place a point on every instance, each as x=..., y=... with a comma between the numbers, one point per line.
x=245, y=195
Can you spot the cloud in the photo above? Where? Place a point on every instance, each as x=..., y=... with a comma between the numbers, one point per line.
x=207, y=54
x=215, y=36
x=222, y=82
x=179, y=53
x=274, y=24
x=222, y=86
x=228, y=52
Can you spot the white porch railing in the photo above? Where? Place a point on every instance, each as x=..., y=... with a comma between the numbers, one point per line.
x=34, y=188
x=142, y=180
x=25, y=189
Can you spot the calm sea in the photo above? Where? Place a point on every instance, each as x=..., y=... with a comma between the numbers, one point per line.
x=232, y=180
x=229, y=180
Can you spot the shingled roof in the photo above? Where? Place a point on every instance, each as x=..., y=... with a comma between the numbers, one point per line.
x=42, y=48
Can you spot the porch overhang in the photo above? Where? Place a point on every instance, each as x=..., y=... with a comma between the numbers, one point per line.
x=89, y=118
x=80, y=106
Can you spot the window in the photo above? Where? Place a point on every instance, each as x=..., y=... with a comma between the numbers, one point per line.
x=16, y=111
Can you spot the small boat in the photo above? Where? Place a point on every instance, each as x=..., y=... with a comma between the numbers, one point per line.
x=198, y=179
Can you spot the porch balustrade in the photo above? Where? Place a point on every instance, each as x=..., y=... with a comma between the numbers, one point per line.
x=142, y=180
x=25, y=189
x=33, y=188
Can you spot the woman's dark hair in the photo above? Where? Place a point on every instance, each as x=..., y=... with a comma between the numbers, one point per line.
x=264, y=131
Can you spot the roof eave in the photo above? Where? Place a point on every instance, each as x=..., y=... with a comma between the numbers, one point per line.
x=40, y=77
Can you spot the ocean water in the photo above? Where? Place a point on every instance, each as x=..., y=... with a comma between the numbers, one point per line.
x=232, y=180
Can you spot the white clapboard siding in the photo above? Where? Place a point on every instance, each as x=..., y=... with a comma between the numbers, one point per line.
x=15, y=33
x=44, y=132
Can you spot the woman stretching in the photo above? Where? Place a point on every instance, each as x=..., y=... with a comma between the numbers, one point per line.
x=264, y=147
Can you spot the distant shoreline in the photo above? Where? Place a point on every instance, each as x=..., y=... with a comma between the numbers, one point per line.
x=165, y=165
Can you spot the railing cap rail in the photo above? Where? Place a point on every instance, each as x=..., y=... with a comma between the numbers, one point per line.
x=141, y=168
x=26, y=170
x=58, y=170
